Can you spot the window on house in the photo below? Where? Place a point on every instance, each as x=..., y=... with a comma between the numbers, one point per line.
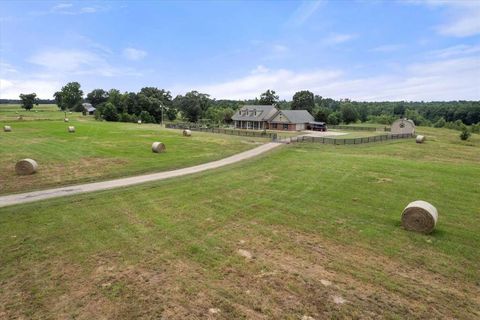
x=285, y=126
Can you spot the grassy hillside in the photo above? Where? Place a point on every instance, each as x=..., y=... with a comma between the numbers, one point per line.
x=321, y=222
x=100, y=150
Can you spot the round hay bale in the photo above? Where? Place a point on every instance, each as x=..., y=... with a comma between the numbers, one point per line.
x=65, y=120
x=187, y=133
x=420, y=139
x=26, y=167
x=158, y=147
x=139, y=121
x=7, y=128
x=419, y=216
x=71, y=129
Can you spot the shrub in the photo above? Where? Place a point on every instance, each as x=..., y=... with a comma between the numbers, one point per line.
x=125, y=117
x=465, y=134
x=475, y=128
x=110, y=112
x=334, y=118
x=440, y=123
x=146, y=117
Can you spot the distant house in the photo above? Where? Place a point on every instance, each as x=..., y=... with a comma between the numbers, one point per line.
x=402, y=126
x=254, y=117
x=88, y=108
x=263, y=117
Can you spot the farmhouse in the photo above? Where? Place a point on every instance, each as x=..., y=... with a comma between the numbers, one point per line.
x=268, y=117
x=403, y=126
x=87, y=107
x=254, y=117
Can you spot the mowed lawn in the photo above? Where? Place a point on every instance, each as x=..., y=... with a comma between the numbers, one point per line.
x=102, y=150
x=321, y=222
x=11, y=112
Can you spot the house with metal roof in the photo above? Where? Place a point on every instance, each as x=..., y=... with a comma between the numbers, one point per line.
x=264, y=117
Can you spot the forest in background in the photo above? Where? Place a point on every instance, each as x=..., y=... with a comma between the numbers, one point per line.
x=154, y=105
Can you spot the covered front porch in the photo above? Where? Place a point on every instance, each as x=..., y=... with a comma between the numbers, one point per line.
x=251, y=125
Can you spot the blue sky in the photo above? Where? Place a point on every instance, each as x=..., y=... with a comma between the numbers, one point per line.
x=362, y=50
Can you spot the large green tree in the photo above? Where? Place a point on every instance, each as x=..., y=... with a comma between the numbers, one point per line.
x=303, y=100
x=155, y=101
x=269, y=97
x=28, y=100
x=97, y=96
x=349, y=113
x=69, y=97
x=193, y=105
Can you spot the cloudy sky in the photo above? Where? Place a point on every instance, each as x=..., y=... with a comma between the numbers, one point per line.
x=363, y=50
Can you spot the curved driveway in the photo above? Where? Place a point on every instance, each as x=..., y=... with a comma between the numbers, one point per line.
x=124, y=182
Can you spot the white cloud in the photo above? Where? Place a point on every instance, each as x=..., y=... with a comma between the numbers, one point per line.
x=304, y=11
x=259, y=69
x=338, y=38
x=11, y=89
x=7, y=68
x=444, y=79
x=57, y=66
x=284, y=81
x=464, y=16
x=458, y=50
x=61, y=6
x=68, y=9
x=59, y=63
x=134, y=54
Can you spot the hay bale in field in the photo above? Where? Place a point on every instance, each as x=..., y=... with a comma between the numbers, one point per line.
x=419, y=216
x=139, y=121
x=7, y=128
x=71, y=129
x=158, y=147
x=420, y=139
x=20, y=117
x=66, y=120
x=26, y=167
x=187, y=133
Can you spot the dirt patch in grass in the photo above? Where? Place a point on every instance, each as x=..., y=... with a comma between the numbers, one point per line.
x=59, y=173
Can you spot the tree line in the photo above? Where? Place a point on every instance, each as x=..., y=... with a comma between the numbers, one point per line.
x=155, y=105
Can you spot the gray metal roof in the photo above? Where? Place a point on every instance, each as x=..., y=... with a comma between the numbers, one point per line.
x=91, y=109
x=297, y=116
x=255, y=113
x=86, y=105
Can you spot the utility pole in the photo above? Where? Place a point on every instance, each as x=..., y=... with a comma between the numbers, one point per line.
x=161, y=106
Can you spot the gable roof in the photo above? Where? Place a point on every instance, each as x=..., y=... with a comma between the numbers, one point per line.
x=255, y=113
x=297, y=116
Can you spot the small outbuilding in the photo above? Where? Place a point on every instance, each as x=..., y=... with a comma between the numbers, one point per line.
x=88, y=108
x=403, y=126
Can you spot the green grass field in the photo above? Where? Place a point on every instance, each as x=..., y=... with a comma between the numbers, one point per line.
x=100, y=150
x=321, y=221
x=10, y=112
